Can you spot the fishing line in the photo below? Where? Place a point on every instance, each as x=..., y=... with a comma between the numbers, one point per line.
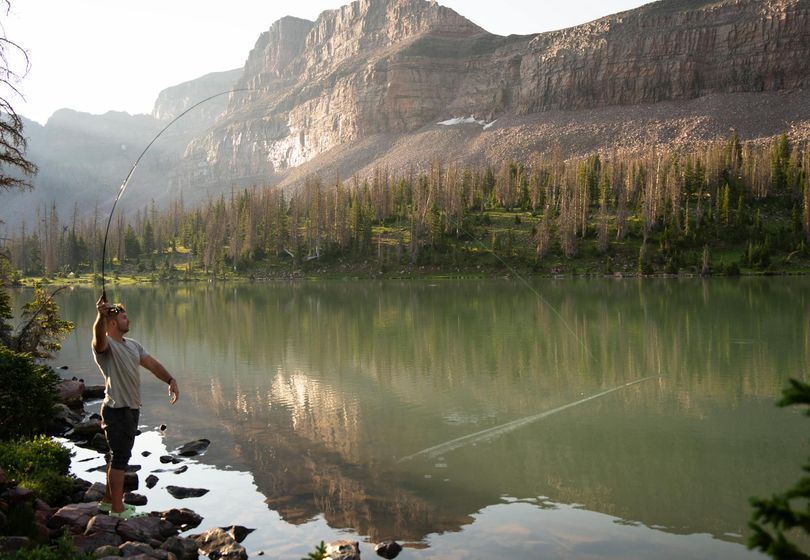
x=132, y=170
x=497, y=431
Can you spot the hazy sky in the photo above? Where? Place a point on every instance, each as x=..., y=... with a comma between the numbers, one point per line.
x=101, y=55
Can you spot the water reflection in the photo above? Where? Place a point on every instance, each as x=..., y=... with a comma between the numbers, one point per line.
x=320, y=388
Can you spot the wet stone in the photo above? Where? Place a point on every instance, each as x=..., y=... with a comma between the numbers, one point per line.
x=180, y=492
x=151, y=481
x=193, y=448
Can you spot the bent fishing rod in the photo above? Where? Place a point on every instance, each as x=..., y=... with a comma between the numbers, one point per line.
x=132, y=170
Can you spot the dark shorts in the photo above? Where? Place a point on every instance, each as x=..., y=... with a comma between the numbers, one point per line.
x=120, y=426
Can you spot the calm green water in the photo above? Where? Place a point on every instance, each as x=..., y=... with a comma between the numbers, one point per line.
x=313, y=393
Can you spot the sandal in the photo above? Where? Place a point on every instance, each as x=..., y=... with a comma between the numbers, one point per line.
x=127, y=514
x=106, y=507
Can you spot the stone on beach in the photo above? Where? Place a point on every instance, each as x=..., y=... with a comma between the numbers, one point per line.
x=218, y=544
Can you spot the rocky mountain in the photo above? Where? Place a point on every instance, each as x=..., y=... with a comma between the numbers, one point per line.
x=398, y=83
x=367, y=84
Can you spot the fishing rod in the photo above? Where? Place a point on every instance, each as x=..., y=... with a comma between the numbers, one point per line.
x=132, y=170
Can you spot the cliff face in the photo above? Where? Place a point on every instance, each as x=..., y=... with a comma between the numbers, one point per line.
x=677, y=49
x=395, y=66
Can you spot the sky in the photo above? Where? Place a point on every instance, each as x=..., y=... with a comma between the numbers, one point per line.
x=100, y=55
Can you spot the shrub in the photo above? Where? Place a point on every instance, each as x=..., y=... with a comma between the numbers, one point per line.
x=63, y=550
x=28, y=396
x=39, y=464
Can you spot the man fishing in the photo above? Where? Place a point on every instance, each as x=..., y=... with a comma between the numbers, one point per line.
x=119, y=358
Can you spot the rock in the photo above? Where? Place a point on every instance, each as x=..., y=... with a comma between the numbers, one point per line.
x=182, y=518
x=181, y=493
x=169, y=459
x=19, y=495
x=73, y=516
x=163, y=427
x=130, y=481
x=10, y=545
x=388, y=549
x=183, y=549
x=99, y=443
x=92, y=392
x=135, y=499
x=70, y=392
x=62, y=413
x=238, y=532
x=343, y=550
x=129, y=549
x=89, y=543
x=193, y=448
x=145, y=529
x=64, y=367
x=151, y=481
x=107, y=550
x=102, y=523
x=95, y=493
x=87, y=429
x=145, y=453
x=218, y=544
x=180, y=470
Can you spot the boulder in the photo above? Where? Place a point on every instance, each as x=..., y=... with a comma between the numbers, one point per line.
x=151, y=481
x=107, y=551
x=388, y=549
x=183, y=518
x=135, y=499
x=129, y=549
x=70, y=392
x=93, y=392
x=19, y=495
x=10, y=545
x=74, y=517
x=193, y=448
x=169, y=459
x=95, y=493
x=218, y=544
x=99, y=443
x=343, y=550
x=180, y=492
x=102, y=523
x=89, y=543
x=238, y=532
x=183, y=549
x=88, y=428
x=146, y=529
x=62, y=413
x=130, y=481
x=180, y=470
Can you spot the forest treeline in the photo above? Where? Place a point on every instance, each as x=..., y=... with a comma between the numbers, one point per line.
x=725, y=206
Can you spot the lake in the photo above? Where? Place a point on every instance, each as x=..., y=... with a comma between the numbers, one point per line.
x=472, y=418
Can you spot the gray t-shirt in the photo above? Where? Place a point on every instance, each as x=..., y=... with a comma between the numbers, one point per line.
x=120, y=366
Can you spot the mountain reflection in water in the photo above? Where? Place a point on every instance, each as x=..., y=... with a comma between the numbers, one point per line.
x=320, y=388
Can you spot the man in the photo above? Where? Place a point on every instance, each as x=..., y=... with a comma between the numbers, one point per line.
x=119, y=359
